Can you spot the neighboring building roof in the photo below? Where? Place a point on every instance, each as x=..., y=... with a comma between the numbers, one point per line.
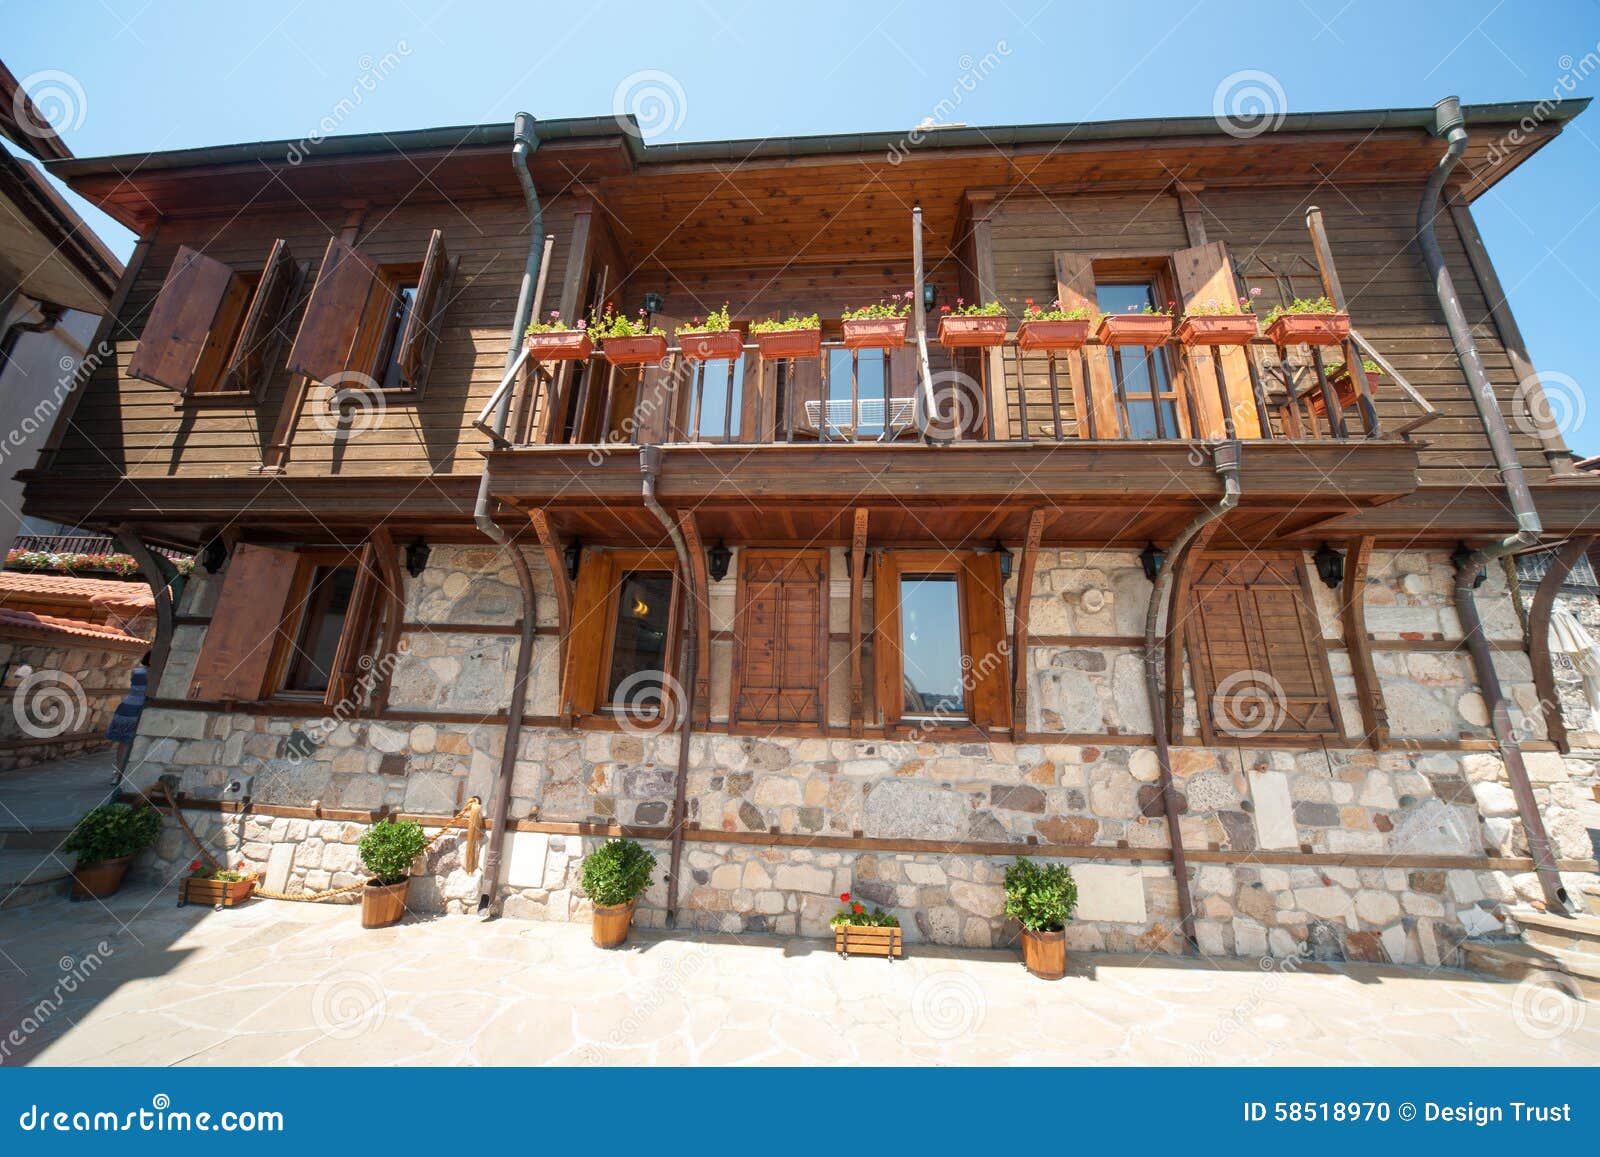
x=17, y=586
x=55, y=629
x=55, y=606
x=1589, y=465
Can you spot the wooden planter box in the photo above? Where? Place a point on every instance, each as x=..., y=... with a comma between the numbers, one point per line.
x=634, y=351
x=865, y=941
x=560, y=345
x=218, y=893
x=790, y=343
x=875, y=333
x=1309, y=328
x=973, y=331
x=1217, y=329
x=718, y=345
x=1144, y=329
x=1069, y=334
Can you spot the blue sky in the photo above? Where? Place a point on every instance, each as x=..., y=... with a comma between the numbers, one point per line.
x=148, y=76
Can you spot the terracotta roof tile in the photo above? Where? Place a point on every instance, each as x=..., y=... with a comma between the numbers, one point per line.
x=58, y=626
x=26, y=582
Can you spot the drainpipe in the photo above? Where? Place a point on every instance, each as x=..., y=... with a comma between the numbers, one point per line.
x=1469, y=564
x=528, y=300
x=1226, y=459
x=650, y=466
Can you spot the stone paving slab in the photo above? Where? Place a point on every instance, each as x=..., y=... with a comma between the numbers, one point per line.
x=279, y=983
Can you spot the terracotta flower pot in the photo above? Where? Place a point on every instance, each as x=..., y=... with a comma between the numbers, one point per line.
x=217, y=893
x=1045, y=953
x=634, y=351
x=790, y=343
x=100, y=879
x=1217, y=329
x=1069, y=334
x=1309, y=328
x=719, y=345
x=972, y=331
x=875, y=333
x=610, y=926
x=560, y=345
x=1145, y=329
x=383, y=904
x=1343, y=388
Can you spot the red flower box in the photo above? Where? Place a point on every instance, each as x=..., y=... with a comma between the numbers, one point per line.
x=875, y=333
x=790, y=343
x=1068, y=334
x=718, y=345
x=634, y=351
x=1343, y=388
x=1146, y=329
x=972, y=331
x=1217, y=329
x=560, y=345
x=1309, y=328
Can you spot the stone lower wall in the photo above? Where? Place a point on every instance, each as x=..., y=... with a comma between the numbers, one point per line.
x=58, y=700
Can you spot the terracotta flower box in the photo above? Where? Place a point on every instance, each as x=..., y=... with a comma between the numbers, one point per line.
x=972, y=331
x=790, y=343
x=866, y=940
x=1217, y=329
x=875, y=333
x=217, y=893
x=560, y=345
x=634, y=351
x=718, y=345
x=1146, y=329
x=1309, y=328
x=1343, y=388
x=1069, y=334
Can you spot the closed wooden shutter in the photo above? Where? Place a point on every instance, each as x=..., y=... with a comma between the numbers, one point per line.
x=328, y=331
x=1260, y=664
x=180, y=323
x=236, y=658
x=1097, y=396
x=252, y=355
x=887, y=660
x=781, y=636
x=902, y=371
x=1205, y=276
x=984, y=612
x=421, y=331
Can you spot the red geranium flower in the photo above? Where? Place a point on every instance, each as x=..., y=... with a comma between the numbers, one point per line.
x=859, y=909
x=844, y=897
x=194, y=865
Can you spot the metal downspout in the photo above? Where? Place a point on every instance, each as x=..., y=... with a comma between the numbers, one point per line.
x=1226, y=460
x=1469, y=564
x=528, y=300
x=650, y=466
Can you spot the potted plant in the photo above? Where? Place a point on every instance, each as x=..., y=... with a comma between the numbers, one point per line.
x=879, y=326
x=1042, y=900
x=794, y=337
x=553, y=340
x=615, y=875
x=713, y=340
x=387, y=851
x=972, y=326
x=874, y=933
x=1054, y=328
x=104, y=841
x=1345, y=389
x=1307, y=321
x=1148, y=327
x=626, y=341
x=1217, y=323
x=219, y=887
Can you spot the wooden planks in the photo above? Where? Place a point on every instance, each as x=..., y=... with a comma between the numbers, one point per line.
x=780, y=663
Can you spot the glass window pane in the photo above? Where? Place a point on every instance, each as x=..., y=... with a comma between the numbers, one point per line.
x=870, y=369
x=639, y=640
x=713, y=415
x=327, y=604
x=930, y=645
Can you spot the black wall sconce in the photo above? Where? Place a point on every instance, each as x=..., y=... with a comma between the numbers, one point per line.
x=1152, y=558
x=930, y=294
x=417, y=554
x=717, y=559
x=653, y=303
x=570, y=556
x=1330, y=565
x=1005, y=560
x=215, y=556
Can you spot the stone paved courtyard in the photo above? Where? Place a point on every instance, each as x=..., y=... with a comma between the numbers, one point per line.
x=278, y=983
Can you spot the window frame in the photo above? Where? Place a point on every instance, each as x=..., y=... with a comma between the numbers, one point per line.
x=748, y=556
x=362, y=608
x=591, y=639
x=1155, y=273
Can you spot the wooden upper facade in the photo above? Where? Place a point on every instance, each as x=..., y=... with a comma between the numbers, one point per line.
x=181, y=430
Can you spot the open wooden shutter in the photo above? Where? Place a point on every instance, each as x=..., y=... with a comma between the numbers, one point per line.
x=804, y=385
x=782, y=637
x=180, y=321
x=236, y=658
x=902, y=371
x=1075, y=287
x=252, y=355
x=332, y=320
x=421, y=331
x=361, y=623
x=1205, y=276
x=984, y=611
x=591, y=603
x=887, y=660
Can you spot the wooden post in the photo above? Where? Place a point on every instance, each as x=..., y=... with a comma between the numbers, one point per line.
x=1353, y=617
x=1019, y=644
x=550, y=542
x=858, y=578
x=699, y=590
x=1536, y=638
x=1352, y=352
x=1183, y=568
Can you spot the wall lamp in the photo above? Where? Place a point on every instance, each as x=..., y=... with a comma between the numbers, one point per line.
x=1330, y=565
x=653, y=303
x=1152, y=558
x=930, y=294
x=417, y=554
x=569, y=556
x=1005, y=560
x=717, y=559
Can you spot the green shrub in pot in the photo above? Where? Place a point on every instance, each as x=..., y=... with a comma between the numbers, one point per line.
x=389, y=847
x=1040, y=898
x=113, y=830
x=617, y=872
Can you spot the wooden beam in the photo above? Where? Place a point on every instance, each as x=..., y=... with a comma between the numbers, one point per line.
x=161, y=591
x=988, y=283
x=550, y=542
x=392, y=624
x=1194, y=222
x=699, y=590
x=1537, y=638
x=1353, y=616
x=1177, y=612
x=1019, y=642
x=858, y=578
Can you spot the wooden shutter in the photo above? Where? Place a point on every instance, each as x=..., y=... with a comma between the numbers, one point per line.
x=360, y=626
x=1205, y=275
x=983, y=610
x=236, y=658
x=781, y=662
x=251, y=365
x=333, y=316
x=887, y=661
x=181, y=320
x=804, y=385
x=421, y=331
x=1260, y=664
x=1075, y=287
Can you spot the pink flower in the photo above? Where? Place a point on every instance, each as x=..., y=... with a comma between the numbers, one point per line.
x=582, y=324
x=1256, y=291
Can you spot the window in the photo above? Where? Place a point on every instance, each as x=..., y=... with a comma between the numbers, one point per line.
x=1151, y=403
x=316, y=645
x=640, y=629
x=623, y=636
x=780, y=665
x=930, y=646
